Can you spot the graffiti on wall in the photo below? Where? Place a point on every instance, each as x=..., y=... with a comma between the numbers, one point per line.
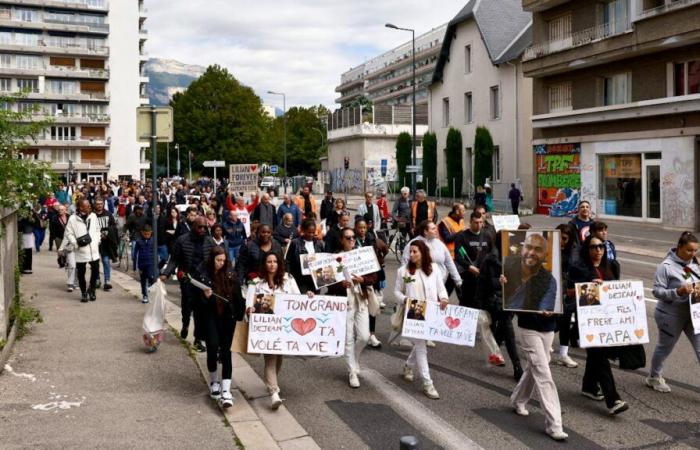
x=678, y=192
x=558, y=178
x=346, y=180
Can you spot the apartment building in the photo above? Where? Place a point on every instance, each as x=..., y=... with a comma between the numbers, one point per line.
x=388, y=78
x=478, y=81
x=616, y=107
x=80, y=64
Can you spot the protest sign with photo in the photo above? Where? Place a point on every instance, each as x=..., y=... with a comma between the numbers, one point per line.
x=286, y=324
x=453, y=325
x=612, y=313
x=509, y=222
x=532, y=268
x=695, y=308
x=327, y=268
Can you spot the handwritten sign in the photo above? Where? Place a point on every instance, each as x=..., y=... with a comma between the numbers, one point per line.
x=297, y=325
x=454, y=325
x=243, y=177
x=695, y=308
x=509, y=222
x=327, y=269
x=611, y=314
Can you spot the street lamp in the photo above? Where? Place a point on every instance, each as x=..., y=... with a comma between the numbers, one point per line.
x=413, y=40
x=177, y=148
x=284, y=105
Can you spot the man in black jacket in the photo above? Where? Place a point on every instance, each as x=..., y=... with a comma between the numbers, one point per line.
x=109, y=240
x=189, y=252
x=327, y=205
x=332, y=239
x=185, y=225
x=471, y=248
x=304, y=245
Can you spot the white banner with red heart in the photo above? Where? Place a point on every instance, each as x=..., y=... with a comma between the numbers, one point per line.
x=453, y=325
x=286, y=324
x=611, y=314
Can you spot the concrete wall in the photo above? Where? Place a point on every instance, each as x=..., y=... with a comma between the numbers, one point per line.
x=8, y=262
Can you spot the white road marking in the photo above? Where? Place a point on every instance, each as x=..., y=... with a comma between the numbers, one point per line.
x=28, y=376
x=429, y=423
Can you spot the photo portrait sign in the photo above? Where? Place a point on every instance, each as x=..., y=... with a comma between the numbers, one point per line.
x=287, y=324
x=695, y=308
x=611, y=314
x=454, y=325
x=330, y=268
x=532, y=268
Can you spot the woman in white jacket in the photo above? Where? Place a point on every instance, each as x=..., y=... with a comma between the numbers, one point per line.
x=427, y=232
x=420, y=279
x=81, y=224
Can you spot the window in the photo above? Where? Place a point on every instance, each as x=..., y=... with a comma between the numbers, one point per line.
x=62, y=133
x=26, y=107
x=616, y=17
x=5, y=84
x=28, y=84
x=63, y=156
x=61, y=87
x=495, y=103
x=559, y=28
x=6, y=61
x=496, y=163
x=26, y=39
x=468, y=59
x=620, y=184
x=446, y=112
x=616, y=90
x=25, y=15
x=468, y=108
x=687, y=78
x=28, y=62
x=470, y=165
x=5, y=12
x=560, y=97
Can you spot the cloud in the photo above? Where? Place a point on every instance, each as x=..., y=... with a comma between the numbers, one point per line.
x=300, y=47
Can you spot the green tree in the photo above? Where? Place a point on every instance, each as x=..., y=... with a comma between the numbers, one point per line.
x=306, y=140
x=483, y=156
x=404, y=145
x=219, y=118
x=430, y=162
x=453, y=161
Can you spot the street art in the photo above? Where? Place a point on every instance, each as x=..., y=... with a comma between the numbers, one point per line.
x=678, y=191
x=558, y=178
x=350, y=179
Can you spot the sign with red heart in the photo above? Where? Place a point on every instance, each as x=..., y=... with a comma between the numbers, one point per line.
x=427, y=320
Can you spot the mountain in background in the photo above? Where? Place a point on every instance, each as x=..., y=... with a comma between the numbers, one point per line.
x=166, y=77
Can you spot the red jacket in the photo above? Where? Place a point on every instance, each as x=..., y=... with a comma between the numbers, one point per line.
x=383, y=207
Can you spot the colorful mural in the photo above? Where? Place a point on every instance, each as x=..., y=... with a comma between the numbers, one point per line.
x=558, y=178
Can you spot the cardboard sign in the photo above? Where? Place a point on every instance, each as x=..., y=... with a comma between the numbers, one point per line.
x=454, y=325
x=243, y=177
x=611, y=314
x=286, y=324
x=328, y=268
x=509, y=222
x=695, y=308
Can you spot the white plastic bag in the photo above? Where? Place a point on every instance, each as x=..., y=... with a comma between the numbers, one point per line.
x=154, y=319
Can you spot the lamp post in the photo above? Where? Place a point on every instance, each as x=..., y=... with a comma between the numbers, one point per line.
x=413, y=120
x=177, y=148
x=168, y=162
x=284, y=106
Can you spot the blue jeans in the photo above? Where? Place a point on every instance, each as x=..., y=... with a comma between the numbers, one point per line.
x=106, y=267
x=162, y=255
x=233, y=253
x=132, y=244
x=147, y=280
x=39, y=234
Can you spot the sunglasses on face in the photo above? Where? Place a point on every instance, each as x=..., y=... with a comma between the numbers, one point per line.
x=349, y=238
x=596, y=247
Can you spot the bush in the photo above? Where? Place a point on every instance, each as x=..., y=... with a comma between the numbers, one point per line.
x=404, y=146
x=483, y=156
x=453, y=160
x=430, y=162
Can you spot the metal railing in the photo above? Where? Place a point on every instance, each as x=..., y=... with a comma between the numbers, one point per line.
x=667, y=7
x=577, y=39
x=377, y=115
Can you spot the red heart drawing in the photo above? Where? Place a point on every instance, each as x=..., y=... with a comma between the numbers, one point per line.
x=253, y=168
x=303, y=327
x=451, y=322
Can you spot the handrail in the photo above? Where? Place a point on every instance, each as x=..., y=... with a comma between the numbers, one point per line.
x=577, y=39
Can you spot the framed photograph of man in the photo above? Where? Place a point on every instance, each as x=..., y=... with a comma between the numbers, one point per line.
x=532, y=271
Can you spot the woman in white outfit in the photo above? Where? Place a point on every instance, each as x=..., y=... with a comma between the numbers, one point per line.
x=427, y=232
x=82, y=224
x=420, y=279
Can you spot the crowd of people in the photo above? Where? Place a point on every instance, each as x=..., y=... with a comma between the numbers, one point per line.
x=229, y=241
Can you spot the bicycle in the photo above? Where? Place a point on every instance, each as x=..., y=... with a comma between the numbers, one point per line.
x=398, y=237
x=123, y=250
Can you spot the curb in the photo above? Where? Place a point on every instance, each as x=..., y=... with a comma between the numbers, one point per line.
x=7, y=350
x=641, y=251
x=253, y=424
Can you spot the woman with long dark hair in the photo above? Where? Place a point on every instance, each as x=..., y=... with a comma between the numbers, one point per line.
x=598, y=382
x=251, y=255
x=568, y=331
x=420, y=279
x=171, y=224
x=224, y=305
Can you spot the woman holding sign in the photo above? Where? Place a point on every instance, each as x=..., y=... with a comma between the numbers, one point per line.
x=598, y=381
x=673, y=284
x=420, y=279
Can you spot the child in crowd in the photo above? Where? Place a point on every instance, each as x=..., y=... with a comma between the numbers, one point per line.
x=143, y=260
x=600, y=230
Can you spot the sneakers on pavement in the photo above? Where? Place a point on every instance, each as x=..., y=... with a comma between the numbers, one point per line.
x=183, y=331
x=401, y=343
x=144, y=299
x=429, y=344
x=408, y=374
x=107, y=286
x=215, y=390
x=83, y=297
x=618, y=407
x=597, y=396
x=92, y=295
x=496, y=360
x=353, y=380
x=658, y=384
x=275, y=401
x=374, y=342
x=558, y=435
x=199, y=346
x=226, y=399
x=382, y=305
x=430, y=392
x=566, y=361
x=70, y=288
x=520, y=410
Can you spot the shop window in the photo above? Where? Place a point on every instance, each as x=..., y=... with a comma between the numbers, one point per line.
x=620, y=184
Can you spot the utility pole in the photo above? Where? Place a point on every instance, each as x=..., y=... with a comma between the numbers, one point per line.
x=154, y=183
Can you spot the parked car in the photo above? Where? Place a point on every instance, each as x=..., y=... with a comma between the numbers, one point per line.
x=270, y=183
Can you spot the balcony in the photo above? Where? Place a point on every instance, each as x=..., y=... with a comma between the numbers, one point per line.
x=143, y=34
x=577, y=39
x=348, y=84
x=377, y=85
x=58, y=72
x=668, y=6
x=72, y=4
x=78, y=141
x=54, y=48
x=86, y=96
x=72, y=119
x=56, y=25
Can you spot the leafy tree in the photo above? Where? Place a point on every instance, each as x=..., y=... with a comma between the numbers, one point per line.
x=306, y=139
x=430, y=162
x=219, y=118
x=453, y=160
x=483, y=156
x=404, y=145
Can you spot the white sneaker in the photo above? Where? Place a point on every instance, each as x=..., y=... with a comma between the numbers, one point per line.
x=70, y=288
x=429, y=344
x=658, y=384
x=275, y=401
x=430, y=392
x=353, y=380
x=382, y=305
x=520, y=410
x=374, y=342
x=558, y=435
x=408, y=374
x=226, y=399
x=566, y=361
x=215, y=390
x=405, y=343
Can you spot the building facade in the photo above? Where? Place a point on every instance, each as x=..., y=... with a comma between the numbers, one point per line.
x=79, y=64
x=616, y=109
x=479, y=82
x=388, y=78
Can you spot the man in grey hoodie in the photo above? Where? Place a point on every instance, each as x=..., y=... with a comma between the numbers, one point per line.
x=673, y=284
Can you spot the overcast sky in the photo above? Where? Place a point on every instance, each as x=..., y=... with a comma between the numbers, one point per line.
x=300, y=47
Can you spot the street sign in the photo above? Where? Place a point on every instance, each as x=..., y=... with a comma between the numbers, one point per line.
x=214, y=163
x=274, y=169
x=413, y=169
x=243, y=177
x=164, y=123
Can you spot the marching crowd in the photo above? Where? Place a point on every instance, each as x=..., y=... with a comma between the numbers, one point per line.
x=227, y=241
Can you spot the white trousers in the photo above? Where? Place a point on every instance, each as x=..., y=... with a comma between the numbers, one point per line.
x=70, y=268
x=418, y=360
x=356, y=333
x=535, y=347
x=484, y=323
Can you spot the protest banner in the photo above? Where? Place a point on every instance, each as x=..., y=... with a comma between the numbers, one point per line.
x=287, y=324
x=532, y=267
x=453, y=325
x=611, y=314
x=327, y=268
x=306, y=258
x=243, y=178
x=509, y=222
x=695, y=308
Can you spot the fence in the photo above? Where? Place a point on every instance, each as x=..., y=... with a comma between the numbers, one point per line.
x=8, y=261
x=378, y=115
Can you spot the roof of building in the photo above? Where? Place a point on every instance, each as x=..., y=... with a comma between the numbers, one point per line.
x=505, y=29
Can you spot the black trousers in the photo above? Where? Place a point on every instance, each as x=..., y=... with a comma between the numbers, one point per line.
x=502, y=328
x=468, y=291
x=27, y=259
x=94, y=275
x=514, y=207
x=568, y=332
x=599, y=373
x=220, y=330
x=192, y=305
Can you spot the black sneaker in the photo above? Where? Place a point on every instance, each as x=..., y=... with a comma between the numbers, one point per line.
x=619, y=407
x=83, y=297
x=183, y=331
x=92, y=295
x=199, y=346
x=98, y=284
x=107, y=287
x=597, y=396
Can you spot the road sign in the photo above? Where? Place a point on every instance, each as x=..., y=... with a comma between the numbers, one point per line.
x=274, y=169
x=243, y=177
x=214, y=163
x=164, y=123
x=413, y=169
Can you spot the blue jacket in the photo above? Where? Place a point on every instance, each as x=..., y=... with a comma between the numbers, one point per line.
x=292, y=209
x=234, y=232
x=143, y=254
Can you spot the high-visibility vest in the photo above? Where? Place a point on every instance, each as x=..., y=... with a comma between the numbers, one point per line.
x=453, y=227
x=414, y=208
